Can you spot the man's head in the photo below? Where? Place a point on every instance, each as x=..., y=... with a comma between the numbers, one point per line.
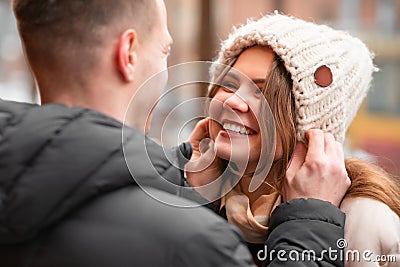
x=89, y=52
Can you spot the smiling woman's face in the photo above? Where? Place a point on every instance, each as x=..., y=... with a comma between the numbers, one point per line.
x=235, y=127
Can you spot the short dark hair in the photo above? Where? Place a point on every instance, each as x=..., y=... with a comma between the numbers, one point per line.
x=68, y=30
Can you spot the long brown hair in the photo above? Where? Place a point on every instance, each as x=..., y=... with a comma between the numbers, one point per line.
x=368, y=180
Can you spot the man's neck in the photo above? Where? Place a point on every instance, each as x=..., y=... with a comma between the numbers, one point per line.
x=111, y=105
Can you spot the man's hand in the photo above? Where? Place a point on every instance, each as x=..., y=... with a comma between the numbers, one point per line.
x=318, y=172
x=204, y=166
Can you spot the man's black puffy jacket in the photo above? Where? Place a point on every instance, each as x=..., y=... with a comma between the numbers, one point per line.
x=67, y=198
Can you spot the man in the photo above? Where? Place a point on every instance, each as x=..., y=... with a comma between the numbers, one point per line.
x=66, y=195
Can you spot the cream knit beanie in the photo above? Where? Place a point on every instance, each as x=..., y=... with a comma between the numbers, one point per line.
x=305, y=47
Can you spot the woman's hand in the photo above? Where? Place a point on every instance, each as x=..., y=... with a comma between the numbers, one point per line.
x=204, y=167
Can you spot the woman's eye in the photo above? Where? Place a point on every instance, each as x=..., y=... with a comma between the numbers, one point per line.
x=230, y=86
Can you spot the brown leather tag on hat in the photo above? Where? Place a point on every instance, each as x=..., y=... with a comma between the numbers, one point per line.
x=323, y=76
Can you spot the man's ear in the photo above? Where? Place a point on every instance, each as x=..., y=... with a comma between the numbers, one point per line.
x=127, y=55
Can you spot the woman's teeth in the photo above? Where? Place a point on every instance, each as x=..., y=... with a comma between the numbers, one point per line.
x=237, y=129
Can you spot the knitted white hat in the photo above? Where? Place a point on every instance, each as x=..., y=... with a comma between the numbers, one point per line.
x=304, y=47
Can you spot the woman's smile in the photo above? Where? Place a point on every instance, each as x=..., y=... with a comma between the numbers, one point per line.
x=236, y=128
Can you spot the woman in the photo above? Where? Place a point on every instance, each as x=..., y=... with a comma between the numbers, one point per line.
x=311, y=77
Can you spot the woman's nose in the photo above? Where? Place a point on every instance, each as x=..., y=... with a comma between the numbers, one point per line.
x=236, y=102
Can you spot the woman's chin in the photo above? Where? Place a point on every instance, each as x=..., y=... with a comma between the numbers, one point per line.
x=223, y=150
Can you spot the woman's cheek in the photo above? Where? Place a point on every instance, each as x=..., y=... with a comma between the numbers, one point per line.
x=215, y=108
x=215, y=111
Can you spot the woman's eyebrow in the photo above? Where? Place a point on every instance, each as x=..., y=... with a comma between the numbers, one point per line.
x=235, y=77
x=232, y=75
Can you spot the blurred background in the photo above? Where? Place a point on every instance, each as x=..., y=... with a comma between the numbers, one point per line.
x=198, y=26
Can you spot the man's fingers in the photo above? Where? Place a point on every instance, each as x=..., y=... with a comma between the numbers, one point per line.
x=318, y=172
x=339, y=151
x=330, y=148
x=205, y=159
x=205, y=145
x=201, y=129
x=200, y=132
x=316, y=145
x=298, y=159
